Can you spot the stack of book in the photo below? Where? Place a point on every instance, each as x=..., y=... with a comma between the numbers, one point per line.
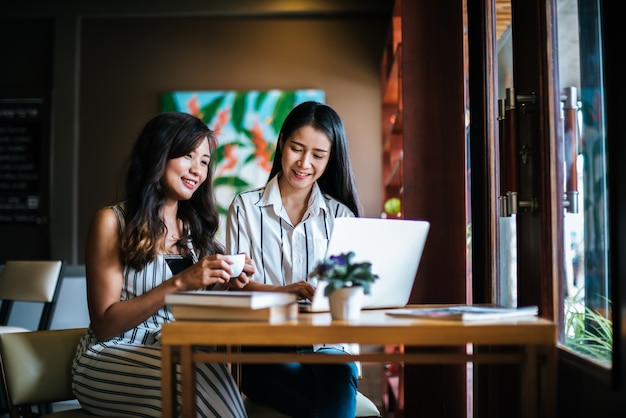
x=216, y=305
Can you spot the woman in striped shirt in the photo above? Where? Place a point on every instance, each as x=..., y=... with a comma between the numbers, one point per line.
x=159, y=240
x=285, y=227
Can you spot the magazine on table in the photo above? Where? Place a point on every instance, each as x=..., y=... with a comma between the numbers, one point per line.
x=467, y=313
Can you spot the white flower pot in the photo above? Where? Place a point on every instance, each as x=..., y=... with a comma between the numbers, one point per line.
x=346, y=302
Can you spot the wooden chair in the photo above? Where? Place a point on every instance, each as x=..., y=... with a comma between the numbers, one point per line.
x=32, y=281
x=37, y=281
x=37, y=369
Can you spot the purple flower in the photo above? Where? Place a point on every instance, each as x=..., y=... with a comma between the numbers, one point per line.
x=339, y=271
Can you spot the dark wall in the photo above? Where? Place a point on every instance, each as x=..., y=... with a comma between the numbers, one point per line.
x=26, y=52
x=25, y=73
x=102, y=69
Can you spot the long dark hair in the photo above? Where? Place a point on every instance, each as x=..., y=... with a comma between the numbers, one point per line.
x=167, y=136
x=337, y=180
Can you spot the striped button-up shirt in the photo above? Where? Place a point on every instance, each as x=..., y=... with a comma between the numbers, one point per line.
x=258, y=224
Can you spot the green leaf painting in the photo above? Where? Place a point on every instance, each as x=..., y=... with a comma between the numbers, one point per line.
x=247, y=125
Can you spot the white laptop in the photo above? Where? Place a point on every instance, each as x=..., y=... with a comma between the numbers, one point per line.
x=393, y=246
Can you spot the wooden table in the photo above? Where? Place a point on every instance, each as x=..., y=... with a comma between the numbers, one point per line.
x=536, y=337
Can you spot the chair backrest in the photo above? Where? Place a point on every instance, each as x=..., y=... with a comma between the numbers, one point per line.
x=37, y=366
x=31, y=281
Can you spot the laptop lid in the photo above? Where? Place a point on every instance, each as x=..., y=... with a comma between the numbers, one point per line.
x=393, y=246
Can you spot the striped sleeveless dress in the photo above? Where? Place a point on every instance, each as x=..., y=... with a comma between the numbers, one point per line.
x=122, y=376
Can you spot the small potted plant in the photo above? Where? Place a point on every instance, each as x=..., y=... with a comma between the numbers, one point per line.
x=346, y=283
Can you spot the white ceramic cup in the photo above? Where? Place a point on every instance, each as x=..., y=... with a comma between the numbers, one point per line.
x=238, y=262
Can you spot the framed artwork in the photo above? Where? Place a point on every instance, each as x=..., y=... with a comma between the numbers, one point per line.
x=246, y=125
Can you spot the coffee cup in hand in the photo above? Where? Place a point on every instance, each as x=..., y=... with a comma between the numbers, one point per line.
x=238, y=261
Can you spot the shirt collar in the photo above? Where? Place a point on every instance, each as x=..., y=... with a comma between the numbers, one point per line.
x=271, y=196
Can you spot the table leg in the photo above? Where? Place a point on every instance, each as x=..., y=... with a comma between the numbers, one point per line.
x=530, y=383
x=168, y=382
x=188, y=382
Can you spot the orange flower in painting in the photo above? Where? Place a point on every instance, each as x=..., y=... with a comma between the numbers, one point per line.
x=193, y=106
x=262, y=152
x=229, y=161
x=222, y=119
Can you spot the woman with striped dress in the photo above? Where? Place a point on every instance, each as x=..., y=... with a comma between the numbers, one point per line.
x=159, y=240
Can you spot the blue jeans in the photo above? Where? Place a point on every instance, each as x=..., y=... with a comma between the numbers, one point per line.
x=304, y=390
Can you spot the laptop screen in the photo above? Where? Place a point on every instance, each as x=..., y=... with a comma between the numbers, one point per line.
x=393, y=246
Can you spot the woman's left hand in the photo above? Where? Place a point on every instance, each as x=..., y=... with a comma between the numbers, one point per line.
x=237, y=283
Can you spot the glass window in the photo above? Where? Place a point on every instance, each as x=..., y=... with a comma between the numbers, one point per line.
x=586, y=299
x=584, y=290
